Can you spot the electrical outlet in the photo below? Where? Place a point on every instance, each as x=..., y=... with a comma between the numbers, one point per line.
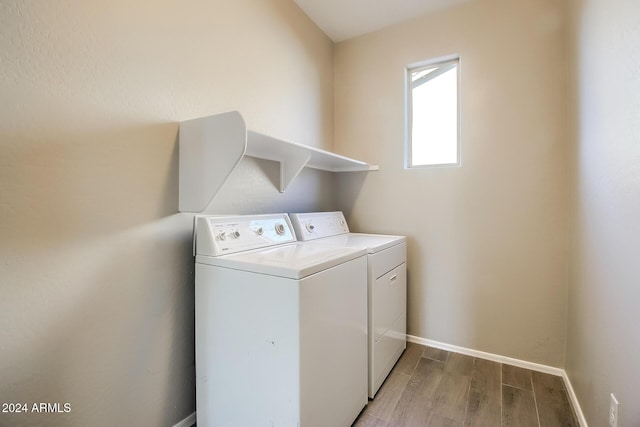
x=613, y=411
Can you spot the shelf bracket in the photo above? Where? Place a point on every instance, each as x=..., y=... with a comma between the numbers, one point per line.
x=291, y=167
x=210, y=149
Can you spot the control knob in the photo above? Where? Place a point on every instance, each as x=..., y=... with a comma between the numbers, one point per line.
x=280, y=229
x=235, y=234
x=310, y=227
x=222, y=235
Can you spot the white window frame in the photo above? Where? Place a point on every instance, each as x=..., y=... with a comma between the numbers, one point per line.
x=416, y=67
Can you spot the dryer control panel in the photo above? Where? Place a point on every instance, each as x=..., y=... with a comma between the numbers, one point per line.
x=315, y=225
x=222, y=235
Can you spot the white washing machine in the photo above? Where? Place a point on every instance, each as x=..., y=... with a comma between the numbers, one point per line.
x=387, y=285
x=281, y=326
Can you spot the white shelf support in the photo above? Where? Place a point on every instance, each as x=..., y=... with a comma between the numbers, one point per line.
x=291, y=168
x=212, y=147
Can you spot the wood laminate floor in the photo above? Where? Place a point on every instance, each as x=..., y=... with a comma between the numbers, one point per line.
x=432, y=387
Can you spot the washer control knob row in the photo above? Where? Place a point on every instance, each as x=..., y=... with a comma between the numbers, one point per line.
x=223, y=235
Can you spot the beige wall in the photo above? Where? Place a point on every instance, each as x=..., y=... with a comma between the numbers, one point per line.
x=603, y=341
x=487, y=241
x=96, y=272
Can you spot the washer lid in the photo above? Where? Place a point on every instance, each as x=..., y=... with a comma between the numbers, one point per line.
x=371, y=242
x=293, y=261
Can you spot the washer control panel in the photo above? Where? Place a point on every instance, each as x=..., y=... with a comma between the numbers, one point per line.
x=221, y=235
x=315, y=225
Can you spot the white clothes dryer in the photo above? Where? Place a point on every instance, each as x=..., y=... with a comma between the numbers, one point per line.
x=281, y=326
x=386, y=283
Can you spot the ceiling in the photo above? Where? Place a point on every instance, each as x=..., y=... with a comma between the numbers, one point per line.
x=344, y=19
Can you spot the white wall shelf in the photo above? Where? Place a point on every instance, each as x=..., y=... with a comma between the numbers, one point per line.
x=212, y=147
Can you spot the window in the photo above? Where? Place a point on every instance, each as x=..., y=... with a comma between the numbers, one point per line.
x=433, y=113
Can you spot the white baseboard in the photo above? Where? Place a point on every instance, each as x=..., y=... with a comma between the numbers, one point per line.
x=187, y=422
x=488, y=356
x=574, y=400
x=509, y=361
